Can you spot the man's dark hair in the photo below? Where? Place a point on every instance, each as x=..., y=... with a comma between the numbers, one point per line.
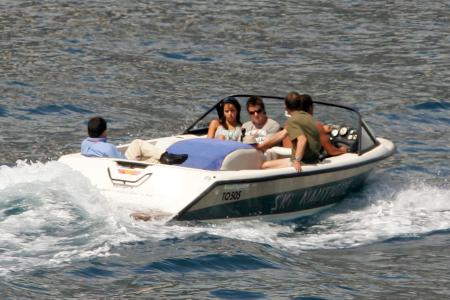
x=256, y=100
x=96, y=126
x=295, y=101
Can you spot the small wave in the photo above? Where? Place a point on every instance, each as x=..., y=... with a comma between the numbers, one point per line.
x=236, y=294
x=56, y=109
x=50, y=214
x=432, y=105
x=388, y=215
x=3, y=112
x=186, y=56
x=19, y=83
x=236, y=262
x=73, y=50
x=376, y=215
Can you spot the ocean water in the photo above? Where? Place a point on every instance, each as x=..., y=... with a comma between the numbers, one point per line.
x=151, y=68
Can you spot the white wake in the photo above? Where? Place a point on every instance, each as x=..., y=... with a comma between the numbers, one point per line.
x=51, y=215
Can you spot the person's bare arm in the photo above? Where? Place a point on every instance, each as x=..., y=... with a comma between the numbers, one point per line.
x=327, y=145
x=273, y=140
x=212, y=128
x=299, y=152
x=327, y=128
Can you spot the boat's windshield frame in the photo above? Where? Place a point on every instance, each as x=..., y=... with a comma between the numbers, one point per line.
x=360, y=123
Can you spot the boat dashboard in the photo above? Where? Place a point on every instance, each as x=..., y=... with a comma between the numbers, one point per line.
x=344, y=135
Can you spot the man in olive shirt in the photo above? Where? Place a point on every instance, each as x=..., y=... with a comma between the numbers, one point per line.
x=302, y=131
x=301, y=125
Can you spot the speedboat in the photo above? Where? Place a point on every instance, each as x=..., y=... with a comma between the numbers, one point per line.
x=223, y=180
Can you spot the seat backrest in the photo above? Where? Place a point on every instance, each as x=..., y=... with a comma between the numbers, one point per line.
x=243, y=159
x=279, y=152
x=207, y=154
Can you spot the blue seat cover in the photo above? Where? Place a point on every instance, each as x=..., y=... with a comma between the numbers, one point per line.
x=204, y=153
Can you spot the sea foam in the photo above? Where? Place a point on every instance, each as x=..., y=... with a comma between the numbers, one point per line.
x=51, y=215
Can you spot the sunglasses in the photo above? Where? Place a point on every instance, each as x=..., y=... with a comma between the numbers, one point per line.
x=259, y=111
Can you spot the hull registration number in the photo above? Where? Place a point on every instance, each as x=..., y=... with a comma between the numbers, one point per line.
x=231, y=196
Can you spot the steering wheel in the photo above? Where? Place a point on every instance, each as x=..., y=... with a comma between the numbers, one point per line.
x=344, y=135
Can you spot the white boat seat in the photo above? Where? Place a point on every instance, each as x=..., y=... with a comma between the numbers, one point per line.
x=243, y=159
x=278, y=152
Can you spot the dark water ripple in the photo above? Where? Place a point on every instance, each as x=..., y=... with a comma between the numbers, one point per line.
x=433, y=105
x=151, y=67
x=374, y=271
x=55, y=109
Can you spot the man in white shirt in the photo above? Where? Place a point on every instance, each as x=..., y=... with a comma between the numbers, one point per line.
x=260, y=126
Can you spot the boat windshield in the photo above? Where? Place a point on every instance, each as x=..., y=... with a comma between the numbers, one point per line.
x=338, y=116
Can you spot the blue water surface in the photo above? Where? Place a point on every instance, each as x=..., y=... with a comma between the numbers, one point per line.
x=153, y=67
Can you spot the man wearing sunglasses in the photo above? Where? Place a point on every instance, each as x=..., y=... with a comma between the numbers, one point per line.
x=260, y=126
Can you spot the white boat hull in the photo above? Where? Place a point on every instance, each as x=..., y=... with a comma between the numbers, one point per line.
x=188, y=194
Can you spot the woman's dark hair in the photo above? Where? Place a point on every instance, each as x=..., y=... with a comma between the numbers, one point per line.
x=233, y=101
x=96, y=126
x=256, y=100
x=295, y=101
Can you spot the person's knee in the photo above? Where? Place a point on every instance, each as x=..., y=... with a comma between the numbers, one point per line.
x=137, y=141
x=265, y=165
